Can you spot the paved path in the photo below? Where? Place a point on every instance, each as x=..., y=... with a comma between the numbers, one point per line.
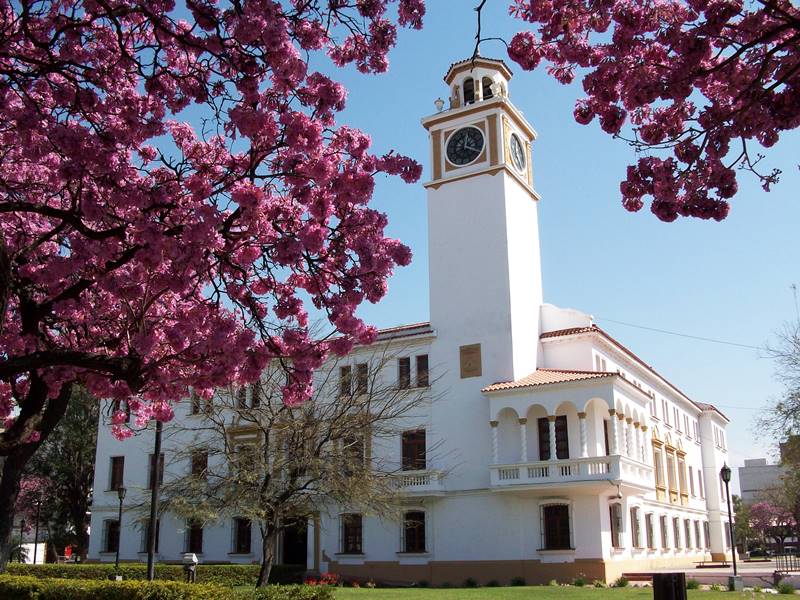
x=753, y=574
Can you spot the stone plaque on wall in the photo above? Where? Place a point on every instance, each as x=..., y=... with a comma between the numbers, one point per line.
x=470, y=358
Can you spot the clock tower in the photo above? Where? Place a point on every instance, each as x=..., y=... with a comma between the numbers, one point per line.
x=485, y=273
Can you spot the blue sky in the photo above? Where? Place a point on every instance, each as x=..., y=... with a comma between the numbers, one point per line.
x=729, y=280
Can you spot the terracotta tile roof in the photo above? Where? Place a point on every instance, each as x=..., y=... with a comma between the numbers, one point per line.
x=547, y=377
x=614, y=342
x=477, y=58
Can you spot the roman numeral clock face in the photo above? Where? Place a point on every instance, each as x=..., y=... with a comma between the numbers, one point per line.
x=464, y=146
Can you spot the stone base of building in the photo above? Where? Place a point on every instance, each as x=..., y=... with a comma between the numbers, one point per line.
x=534, y=572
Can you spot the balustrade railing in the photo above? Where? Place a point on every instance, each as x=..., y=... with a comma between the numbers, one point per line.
x=592, y=468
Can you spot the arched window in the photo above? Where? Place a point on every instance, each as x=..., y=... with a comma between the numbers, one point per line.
x=487, y=88
x=469, y=91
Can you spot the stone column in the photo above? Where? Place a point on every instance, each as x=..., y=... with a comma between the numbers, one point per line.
x=584, y=442
x=647, y=447
x=553, y=453
x=523, y=439
x=629, y=437
x=623, y=435
x=613, y=433
x=495, y=445
x=638, y=439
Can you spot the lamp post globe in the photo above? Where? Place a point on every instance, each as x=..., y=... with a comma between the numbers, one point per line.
x=725, y=473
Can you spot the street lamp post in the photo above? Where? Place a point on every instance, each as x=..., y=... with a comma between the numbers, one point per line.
x=121, y=493
x=725, y=473
x=36, y=531
x=21, y=537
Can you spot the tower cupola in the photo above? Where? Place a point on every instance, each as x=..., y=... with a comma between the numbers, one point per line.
x=477, y=79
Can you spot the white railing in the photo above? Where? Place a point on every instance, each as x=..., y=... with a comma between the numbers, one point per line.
x=420, y=481
x=593, y=468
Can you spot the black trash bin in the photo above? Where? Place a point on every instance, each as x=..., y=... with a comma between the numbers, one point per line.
x=669, y=586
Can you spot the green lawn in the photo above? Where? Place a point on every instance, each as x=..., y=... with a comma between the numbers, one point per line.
x=523, y=593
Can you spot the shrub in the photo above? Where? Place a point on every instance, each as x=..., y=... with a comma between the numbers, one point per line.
x=324, y=579
x=27, y=588
x=715, y=587
x=552, y=583
x=493, y=583
x=423, y=583
x=621, y=582
x=784, y=587
x=446, y=585
x=227, y=575
x=469, y=582
x=518, y=581
x=693, y=584
x=599, y=583
x=579, y=582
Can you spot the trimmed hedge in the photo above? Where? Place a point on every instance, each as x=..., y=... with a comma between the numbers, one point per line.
x=32, y=588
x=228, y=575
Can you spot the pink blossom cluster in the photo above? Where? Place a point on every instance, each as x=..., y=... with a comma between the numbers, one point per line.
x=145, y=254
x=698, y=83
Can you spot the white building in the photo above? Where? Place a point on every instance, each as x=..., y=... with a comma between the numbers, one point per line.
x=559, y=452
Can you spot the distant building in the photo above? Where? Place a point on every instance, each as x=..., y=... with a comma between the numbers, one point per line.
x=756, y=476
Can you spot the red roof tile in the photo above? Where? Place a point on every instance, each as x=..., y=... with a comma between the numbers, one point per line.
x=547, y=377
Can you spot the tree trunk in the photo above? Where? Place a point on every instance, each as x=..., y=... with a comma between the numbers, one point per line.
x=14, y=468
x=269, y=545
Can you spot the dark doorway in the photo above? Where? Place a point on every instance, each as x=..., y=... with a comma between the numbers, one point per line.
x=295, y=543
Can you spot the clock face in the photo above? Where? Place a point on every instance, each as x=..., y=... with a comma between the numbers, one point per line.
x=464, y=146
x=517, y=152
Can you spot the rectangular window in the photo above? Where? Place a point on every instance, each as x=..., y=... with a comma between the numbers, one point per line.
x=146, y=535
x=649, y=531
x=706, y=535
x=605, y=437
x=671, y=472
x=698, y=543
x=423, y=378
x=353, y=534
x=241, y=397
x=686, y=425
x=687, y=532
x=404, y=373
x=414, y=531
x=665, y=411
x=682, y=475
x=362, y=378
x=209, y=407
x=562, y=438
x=676, y=532
x=555, y=522
x=194, y=538
x=345, y=381
x=117, y=472
x=353, y=447
x=118, y=407
x=255, y=394
x=636, y=534
x=242, y=533
x=199, y=463
x=414, y=451
x=112, y=535
x=151, y=474
x=676, y=418
x=696, y=431
x=691, y=481
x=615, y=513
x=658, y=461
x=700, y=483
x=664, y=532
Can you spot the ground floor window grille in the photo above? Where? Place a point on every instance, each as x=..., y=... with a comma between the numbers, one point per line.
x=111, y=536
x=555, y=527
x=636, y=534
x=352, y=533
x=648, y=524
x=242, y=536
x=194, y=537
x=697, y=541
x=664, y=532
x=687, y=529
x=615, y=513
x=414, y=531
x=707, y=535
x=676, y=532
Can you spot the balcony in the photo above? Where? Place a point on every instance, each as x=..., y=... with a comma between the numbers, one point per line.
x=421, y=483
x=557, y=473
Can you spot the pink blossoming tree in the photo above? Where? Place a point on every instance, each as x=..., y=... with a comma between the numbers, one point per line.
x=702, y=84
x=174, y=192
